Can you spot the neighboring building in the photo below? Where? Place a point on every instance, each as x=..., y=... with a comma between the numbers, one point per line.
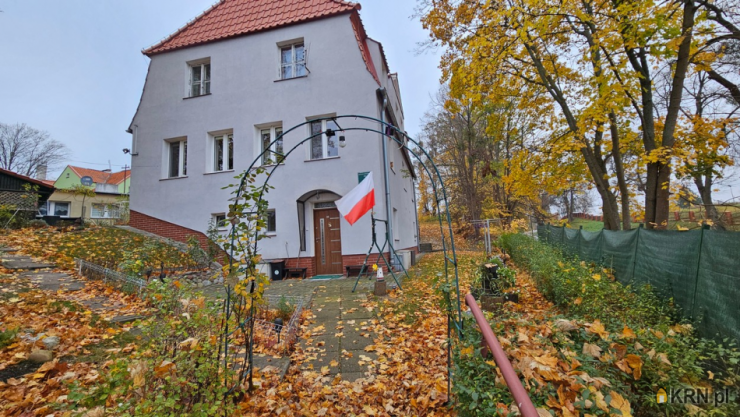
x=108, y=205
x=228, y=83
x=17, y=192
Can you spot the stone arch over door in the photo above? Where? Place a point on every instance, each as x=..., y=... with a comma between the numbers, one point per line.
x=318, y=195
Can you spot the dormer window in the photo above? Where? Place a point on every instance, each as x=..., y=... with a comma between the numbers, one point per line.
x=200, y=77
x=292, y=61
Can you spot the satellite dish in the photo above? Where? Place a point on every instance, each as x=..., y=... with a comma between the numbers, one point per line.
x=86, y=181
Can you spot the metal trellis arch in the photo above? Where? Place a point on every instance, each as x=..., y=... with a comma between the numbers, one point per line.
x=245, y=327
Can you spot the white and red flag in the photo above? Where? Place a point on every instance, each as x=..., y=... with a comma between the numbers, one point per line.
x=358, y=201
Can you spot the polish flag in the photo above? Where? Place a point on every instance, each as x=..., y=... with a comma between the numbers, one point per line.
x=358, y=201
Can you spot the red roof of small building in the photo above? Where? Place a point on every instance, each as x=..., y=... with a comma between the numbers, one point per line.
x=230, y=18
x=101, y=177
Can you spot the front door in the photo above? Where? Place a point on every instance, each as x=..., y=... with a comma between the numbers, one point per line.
x=328, y=237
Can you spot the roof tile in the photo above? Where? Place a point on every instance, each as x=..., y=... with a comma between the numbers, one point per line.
x=101, y=177
x=229, y=18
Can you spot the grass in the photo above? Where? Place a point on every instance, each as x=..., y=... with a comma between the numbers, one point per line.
x=106, y=246
x=7, y=337
x=673, y=224
x=588, y=225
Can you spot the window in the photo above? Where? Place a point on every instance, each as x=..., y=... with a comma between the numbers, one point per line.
x=54, y=208
x=200, y=78
x=223, y=152
x=220, y=221
x=178, y=158
x=323, y=146
x=105, y=211
x=270, y=221
x=292, y=61
x=275, y=152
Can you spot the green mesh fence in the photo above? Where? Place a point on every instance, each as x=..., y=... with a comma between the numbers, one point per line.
x=699, y=269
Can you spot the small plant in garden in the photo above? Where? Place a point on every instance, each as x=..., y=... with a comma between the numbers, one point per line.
x=7, y=337
x=176, y=372
x=284, y=309
x=246, y=284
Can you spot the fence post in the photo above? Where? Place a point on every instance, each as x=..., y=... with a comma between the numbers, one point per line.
x=634, y=257
x=578, y=242
x=562, y=240
x=698, y=269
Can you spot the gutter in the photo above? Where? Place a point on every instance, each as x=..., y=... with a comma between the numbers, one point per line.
x=383, y=96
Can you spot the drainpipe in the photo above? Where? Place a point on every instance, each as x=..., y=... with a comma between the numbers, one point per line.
x=388, y=208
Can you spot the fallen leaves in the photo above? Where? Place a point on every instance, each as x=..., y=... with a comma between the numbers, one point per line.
x=592, y=350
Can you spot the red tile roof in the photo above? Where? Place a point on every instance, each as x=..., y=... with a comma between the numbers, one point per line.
x=362, y=38
x=230, y=18
x=101, y=177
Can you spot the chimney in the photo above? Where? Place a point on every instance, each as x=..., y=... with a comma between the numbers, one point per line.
x=41, y=172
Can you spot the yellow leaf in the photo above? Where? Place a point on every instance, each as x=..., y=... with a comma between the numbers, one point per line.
x=597, y=277
x=598, y=328
x=635, y=362
x=627, y=333
x=620, y=404
x=324, y=370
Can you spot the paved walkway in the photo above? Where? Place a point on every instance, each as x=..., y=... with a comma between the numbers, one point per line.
x=336, y=337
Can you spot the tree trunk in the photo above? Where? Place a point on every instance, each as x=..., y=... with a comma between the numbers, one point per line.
x=705, y=191
x=610, y=208
x=619, y=171
x=674, y=106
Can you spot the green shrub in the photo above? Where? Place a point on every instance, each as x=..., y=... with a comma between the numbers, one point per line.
x=673, y=355
x=37, y=224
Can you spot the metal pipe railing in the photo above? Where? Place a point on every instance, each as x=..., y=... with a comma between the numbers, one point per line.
x=512, y=380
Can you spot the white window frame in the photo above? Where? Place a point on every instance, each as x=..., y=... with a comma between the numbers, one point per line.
x=225, y=137
x=182, y=158
x=293, y=64
x=204, y=87
x=222, y=224
x=110, y=211
x=51, y=208
x=270, y=158
x=324, y=140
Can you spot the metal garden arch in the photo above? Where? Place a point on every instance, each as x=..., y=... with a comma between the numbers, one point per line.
x=246, y=326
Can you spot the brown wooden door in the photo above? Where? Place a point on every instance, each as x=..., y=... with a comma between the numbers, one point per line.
x=328, y=238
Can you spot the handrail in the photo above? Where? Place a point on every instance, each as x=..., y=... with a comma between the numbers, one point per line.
x=512, y=380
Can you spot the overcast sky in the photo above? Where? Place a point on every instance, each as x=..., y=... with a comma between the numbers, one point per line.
x=74, y=68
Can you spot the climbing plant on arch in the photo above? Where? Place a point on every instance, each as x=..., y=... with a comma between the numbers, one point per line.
x=246, y=214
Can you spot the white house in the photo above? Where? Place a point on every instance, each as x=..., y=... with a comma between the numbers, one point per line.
x=226, y=84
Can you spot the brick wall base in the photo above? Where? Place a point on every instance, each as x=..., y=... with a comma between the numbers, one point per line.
x=308, y=262
x=165, y=229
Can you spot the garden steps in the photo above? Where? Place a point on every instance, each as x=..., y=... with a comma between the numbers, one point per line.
x=21, y=262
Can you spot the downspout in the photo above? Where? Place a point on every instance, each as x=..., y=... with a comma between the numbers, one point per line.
x=388, y=208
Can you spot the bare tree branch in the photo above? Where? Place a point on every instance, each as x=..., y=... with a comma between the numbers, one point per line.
x=24, y=149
